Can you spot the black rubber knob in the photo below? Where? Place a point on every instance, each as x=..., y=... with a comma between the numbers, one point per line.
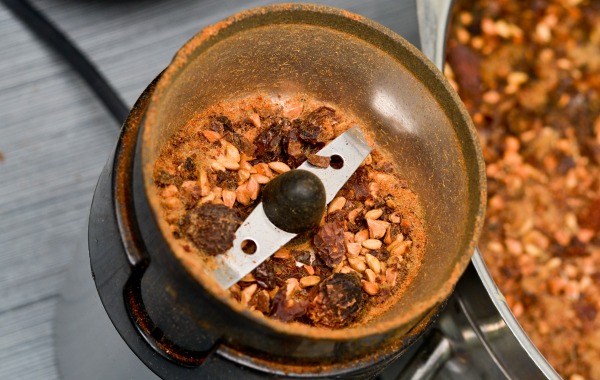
x=294, y=201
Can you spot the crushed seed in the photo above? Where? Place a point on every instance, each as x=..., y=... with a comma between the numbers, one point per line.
x=372, y=244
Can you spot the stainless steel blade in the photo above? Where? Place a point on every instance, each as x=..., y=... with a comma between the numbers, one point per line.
x=352, y=149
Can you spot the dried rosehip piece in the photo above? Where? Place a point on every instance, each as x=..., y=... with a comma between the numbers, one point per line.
x=318, y=126
x=211, y=227
x=268, y=142
x=265, y=275
x=330, y=244
x=337, y=301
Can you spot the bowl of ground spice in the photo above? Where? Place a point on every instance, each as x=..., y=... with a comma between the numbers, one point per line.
x=529, y=74
x=252, y=98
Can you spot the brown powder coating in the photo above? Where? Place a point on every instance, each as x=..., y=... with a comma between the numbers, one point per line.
x=352, y=267
x=529, y=74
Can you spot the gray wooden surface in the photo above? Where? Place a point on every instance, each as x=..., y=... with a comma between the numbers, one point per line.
x=55, y=138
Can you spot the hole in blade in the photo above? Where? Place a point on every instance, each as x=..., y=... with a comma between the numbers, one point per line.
x=249, y=246
x=337, y=162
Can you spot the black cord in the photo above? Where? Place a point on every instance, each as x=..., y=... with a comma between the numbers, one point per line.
x=60, y=43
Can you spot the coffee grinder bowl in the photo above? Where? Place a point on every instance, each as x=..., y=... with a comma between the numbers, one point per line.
x=336, y=57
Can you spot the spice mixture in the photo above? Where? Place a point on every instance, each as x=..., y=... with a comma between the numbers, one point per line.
x=353, y=266
x=529, y=73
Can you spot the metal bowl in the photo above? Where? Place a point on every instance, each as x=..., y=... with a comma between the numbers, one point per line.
x=358, y=65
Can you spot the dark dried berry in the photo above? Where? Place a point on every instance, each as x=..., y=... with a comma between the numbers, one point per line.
x=186, y=169
x=241, y=143
x=268, y=143
x=358, y=185
x=330, y=243
x=382, y=254
x=265, y=275
x=303, y=256
x=337, y=301
x=211, y=227
x=220, y=124
x=318, y=126
x=337, y=216
x=189, y=164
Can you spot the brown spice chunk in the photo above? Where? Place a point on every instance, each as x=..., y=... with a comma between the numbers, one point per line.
x=358, y=185
x=241, y=143
x=319, y=161
x=220, y=124
x=265, y=275
x=337, y=301
x=294, y=148
x=211, y=227
x=268, y=142
x=329, y=242
x=318, y=126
